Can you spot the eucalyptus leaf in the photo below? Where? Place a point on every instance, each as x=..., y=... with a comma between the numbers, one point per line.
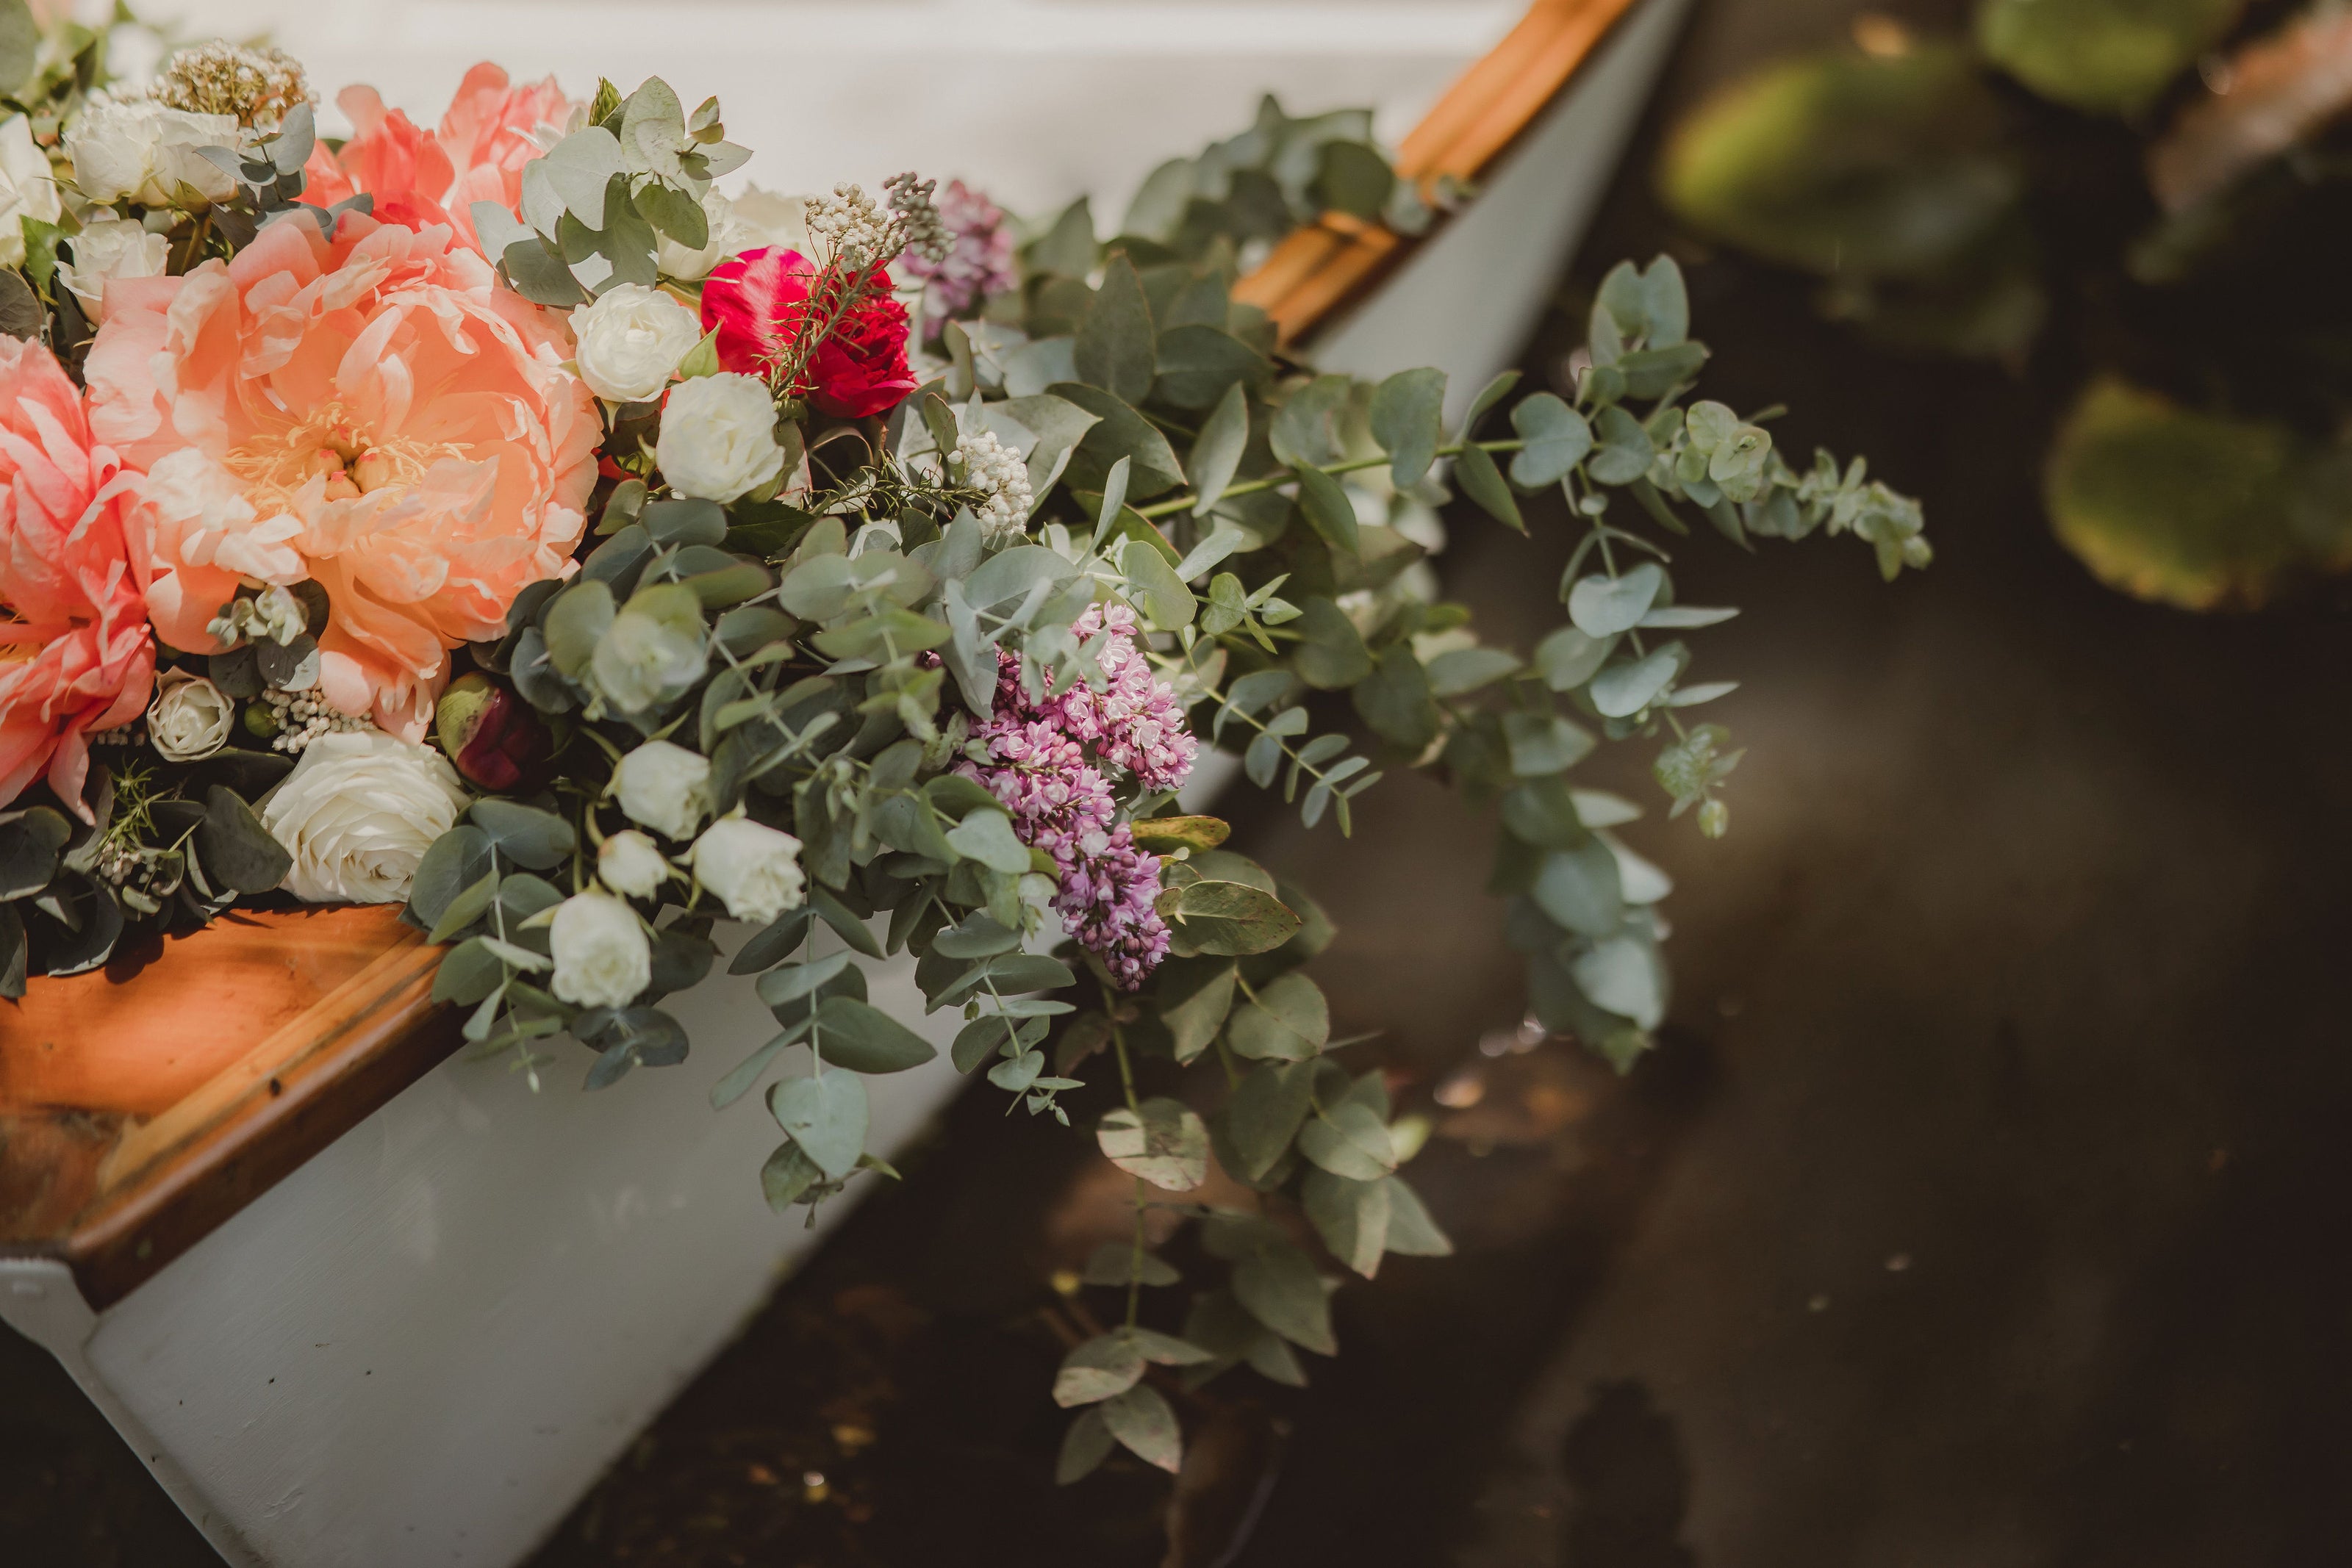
x=826, y=1116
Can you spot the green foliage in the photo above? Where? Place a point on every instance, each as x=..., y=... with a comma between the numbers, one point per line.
x=2101, y=55
x=1891, y=177
x=814, y=659
x=2191, y=508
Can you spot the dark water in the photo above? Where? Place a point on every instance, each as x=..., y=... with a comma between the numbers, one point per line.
x=1986, y=1207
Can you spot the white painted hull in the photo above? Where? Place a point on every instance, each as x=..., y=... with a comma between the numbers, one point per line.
x=427, y=1343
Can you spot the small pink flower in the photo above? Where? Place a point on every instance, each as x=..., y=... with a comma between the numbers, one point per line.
x=979, y=263
x=75, y=653
x=1039, y=766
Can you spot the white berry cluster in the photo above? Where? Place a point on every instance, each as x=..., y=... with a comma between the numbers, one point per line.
x=852, y=228
x=922, y=229
x=982, y=463
x=259, y=88
x=304, y=717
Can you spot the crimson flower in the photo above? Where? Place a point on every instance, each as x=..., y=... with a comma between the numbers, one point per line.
x=762, y=301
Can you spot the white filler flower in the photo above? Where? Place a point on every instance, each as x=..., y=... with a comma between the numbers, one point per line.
x=189, y=718
x=602, y=956
x=631, y=864
x=358, y=813
x=27, y=188
x=719, y=437
x=754, y=869
x=630, y=341
x=661, y=786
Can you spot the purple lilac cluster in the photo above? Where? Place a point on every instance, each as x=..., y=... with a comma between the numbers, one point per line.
x=1060, y=801
x=1135, y=721
x=979, y=261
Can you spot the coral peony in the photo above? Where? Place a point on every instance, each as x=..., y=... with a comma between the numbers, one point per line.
x=759, y=303
x=75, y=655
x=419, y=177
x=368, y=410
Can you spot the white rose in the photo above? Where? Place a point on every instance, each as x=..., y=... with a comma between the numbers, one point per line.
x=754, y=870
x=629, y=863
x=358, y=813
x=661, y=786
x=110, y=248
x=189, y=718
x=730, y=236
x=719, y=437
x=602, y=956
x=28, y=188
x=136, y=150
x=631, y=340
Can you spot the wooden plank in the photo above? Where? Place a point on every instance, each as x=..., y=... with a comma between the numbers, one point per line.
x=1321, y=269
x=138, y=1111
x=142, y=1104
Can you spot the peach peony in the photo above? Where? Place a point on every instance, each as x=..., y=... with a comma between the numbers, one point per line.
x=476, y=154
x=369, y=410
x=75, y=655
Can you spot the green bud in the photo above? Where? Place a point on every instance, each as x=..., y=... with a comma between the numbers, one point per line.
x=1714, y=819
x=260, y=721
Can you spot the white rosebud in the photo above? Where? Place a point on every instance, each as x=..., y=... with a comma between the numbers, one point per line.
x=28, y=189
x=136, y=150
x=661, y=786
x=730, y=236
x=602, y=956
x=753, y=868
x=631, y=864
x=630, y=341
x=719, y=437
x=358, y=813
x=108, y=248
x=189, y=718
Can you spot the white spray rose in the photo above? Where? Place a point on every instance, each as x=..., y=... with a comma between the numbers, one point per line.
x=630, y=341
x=753, y=868
x=189, y=718
x=631, y=864
x=358, y=813
x=602, y=956
x=730, y=236
x=719, y=437
x=137, y=149
x=27, y=187
x=661, y=785
x=109, y=248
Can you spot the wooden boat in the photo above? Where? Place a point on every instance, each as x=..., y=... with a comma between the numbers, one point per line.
x=356, y=1299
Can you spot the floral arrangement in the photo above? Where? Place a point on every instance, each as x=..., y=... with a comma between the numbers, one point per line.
x=496, y=518
x=2172, y=172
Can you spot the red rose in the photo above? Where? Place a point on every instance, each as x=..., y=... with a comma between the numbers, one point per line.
x=758, y=302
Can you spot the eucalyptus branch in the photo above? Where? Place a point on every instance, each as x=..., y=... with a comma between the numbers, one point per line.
x=1185, y=503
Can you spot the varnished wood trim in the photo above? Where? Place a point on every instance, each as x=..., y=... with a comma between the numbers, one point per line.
x=169, y=1183
x=1322, y=268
